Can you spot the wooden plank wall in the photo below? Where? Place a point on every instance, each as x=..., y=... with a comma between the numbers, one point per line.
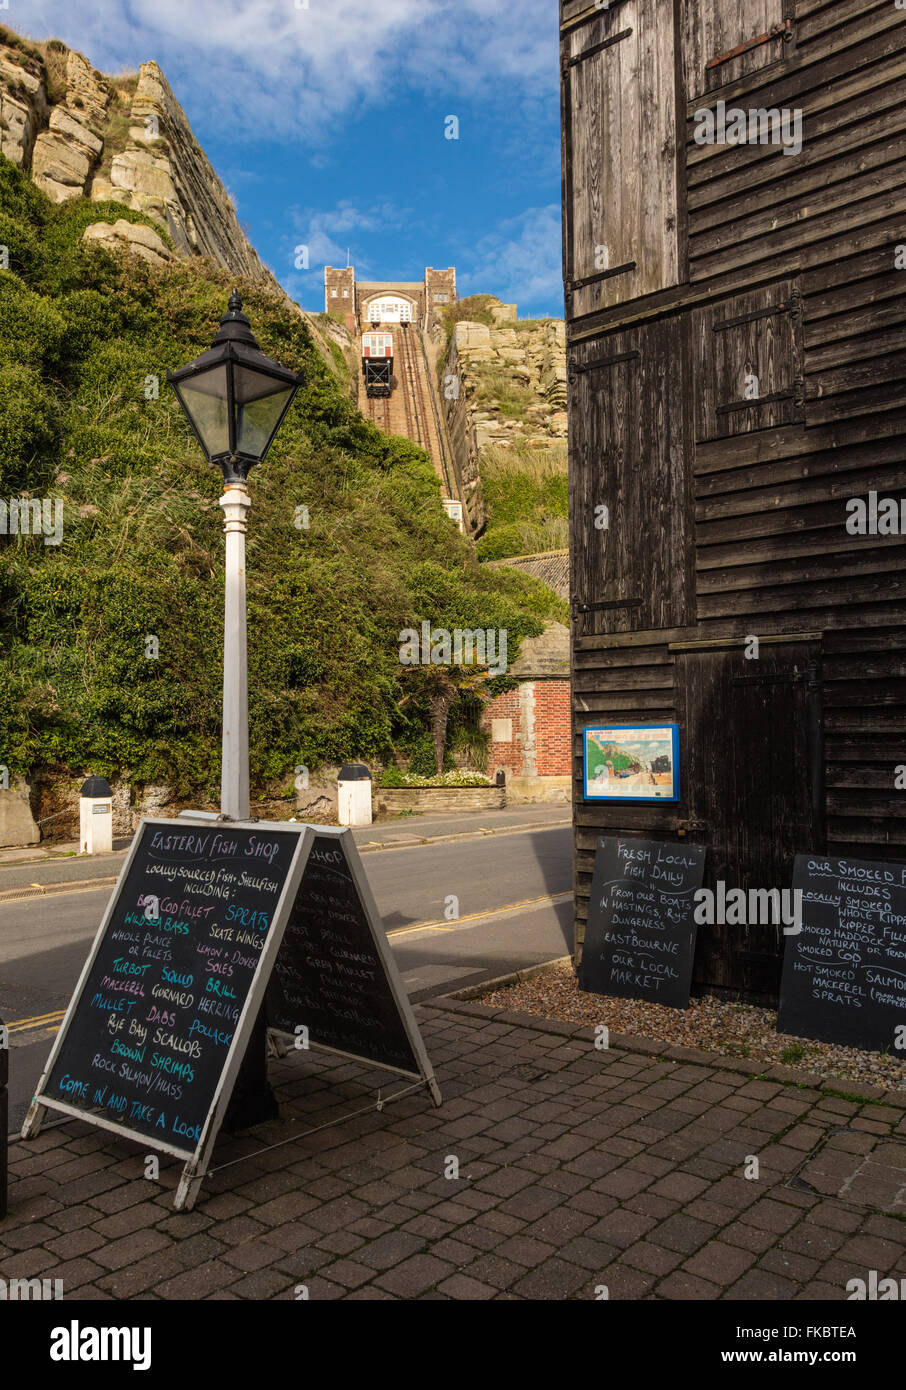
x=786, y=272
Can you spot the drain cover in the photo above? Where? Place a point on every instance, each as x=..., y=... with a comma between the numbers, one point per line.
x=526, y=1072
x=859, y=1168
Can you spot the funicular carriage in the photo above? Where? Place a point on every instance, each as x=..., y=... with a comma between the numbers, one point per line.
x=377, y=345
x=377, y=362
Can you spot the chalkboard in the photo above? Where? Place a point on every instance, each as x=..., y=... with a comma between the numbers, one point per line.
x=335, y=974
x=844, y=973
x=159, y=1021
x=640, y=935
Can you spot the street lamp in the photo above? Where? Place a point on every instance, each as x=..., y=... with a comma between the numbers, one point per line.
x=235, y=399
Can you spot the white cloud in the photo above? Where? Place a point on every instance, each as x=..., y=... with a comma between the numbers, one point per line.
x=280, y=69
x=520, y=261
x=329, y=233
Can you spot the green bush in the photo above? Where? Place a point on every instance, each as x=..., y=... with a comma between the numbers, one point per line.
x=23, y=253
x=475, y=308
x=31, y=326
x=392, y=777
x=28, y=428
x=526, y=494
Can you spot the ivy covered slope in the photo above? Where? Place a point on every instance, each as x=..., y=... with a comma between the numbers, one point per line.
x=83, y=336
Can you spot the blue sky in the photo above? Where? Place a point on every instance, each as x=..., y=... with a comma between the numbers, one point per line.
x=326, y=120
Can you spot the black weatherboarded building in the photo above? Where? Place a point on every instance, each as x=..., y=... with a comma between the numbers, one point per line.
x=734, y=196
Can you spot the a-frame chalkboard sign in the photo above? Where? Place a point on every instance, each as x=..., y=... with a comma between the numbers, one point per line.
x=335, y=976
x=157, y=1028
x=843, y=972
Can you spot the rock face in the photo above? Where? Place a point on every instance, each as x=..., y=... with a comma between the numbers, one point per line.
x=164, y=172
x=64, y=154
x=17, y=825
x=80, y=134
x=482, y=364
x=140, y=240
x=23, y=105
x=532, y=355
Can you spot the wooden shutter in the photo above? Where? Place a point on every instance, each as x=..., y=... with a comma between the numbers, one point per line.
x=743, y=345
x=725, y=40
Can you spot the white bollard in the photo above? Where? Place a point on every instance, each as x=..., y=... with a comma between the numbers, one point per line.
x=354, y=795
x=95, y=817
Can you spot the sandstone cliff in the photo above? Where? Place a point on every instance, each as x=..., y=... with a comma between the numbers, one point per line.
x=490, y=361
x=82, y=134
x=503, y=387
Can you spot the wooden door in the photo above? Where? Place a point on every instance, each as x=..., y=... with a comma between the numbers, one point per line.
x=631, y=553
x=750, y=778
x=620, y=152
x=725, y=40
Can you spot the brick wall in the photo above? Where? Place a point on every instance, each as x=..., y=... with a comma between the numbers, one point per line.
x=553, y=739
x=506, y=753
x=339, y=289
x=389, y=800
x=539, y=742
x=439, y=282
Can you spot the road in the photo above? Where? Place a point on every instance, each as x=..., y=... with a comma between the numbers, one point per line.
x=511, y=892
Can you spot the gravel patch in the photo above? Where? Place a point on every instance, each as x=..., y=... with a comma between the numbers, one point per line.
x=712, y=1025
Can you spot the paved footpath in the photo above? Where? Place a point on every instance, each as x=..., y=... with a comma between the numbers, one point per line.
x=577, y=1168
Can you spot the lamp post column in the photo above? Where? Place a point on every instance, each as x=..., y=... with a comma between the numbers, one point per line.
x=234, y=775
x=252, y=1102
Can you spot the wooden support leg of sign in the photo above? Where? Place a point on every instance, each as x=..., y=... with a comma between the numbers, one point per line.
x=189, y=1188
x=31, y=1126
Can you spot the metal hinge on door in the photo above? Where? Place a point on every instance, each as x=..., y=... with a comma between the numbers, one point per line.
x=794, y=393
x=791, y=306
x=605, y=604
x=784, y=29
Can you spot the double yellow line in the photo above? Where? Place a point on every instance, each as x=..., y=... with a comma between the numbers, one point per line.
x=455, y=922
x=55, y=1018
x=51, y=1020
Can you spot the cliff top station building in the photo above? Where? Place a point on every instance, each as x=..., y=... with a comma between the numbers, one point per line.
x=417, y=301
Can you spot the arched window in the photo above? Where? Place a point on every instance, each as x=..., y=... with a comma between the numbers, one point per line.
x=388, y=309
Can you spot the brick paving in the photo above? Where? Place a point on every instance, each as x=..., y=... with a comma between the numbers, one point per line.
x=578, y=1169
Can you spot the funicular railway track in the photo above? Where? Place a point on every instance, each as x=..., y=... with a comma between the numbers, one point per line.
x=379, y=412
x=396, y=392
x=412, y=398
x=419, y=389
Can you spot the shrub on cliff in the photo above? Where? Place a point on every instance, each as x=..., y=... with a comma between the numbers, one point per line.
x=526, y=494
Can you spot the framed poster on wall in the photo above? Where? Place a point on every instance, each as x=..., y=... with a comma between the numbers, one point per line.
x=631, y=762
